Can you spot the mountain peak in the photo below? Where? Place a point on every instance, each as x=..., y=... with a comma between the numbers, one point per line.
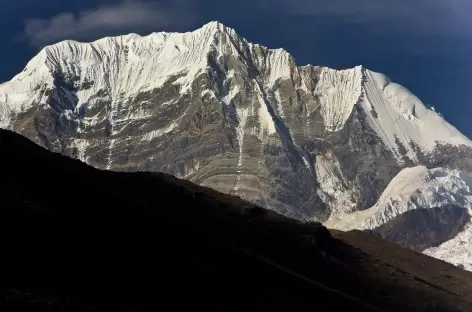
x=129, y=64
x=213, y=25
x=154, y=58
x=206, y=31
x=53, y=55
x=207, y=105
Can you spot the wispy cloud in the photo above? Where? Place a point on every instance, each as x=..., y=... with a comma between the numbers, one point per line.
x=421, y=17
x=417, y=16
x=127, y=16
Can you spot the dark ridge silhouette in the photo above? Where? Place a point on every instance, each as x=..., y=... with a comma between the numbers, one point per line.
x=420, y=229
x=81, y=239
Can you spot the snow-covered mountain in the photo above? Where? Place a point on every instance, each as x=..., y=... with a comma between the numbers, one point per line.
x=310, y=142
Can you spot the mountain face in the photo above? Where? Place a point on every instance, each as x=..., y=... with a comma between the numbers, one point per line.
x=312, y=143
x=143, y=241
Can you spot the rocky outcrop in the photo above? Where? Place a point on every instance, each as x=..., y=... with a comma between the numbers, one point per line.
x=420, y=229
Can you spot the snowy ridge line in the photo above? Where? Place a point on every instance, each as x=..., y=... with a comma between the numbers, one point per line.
x=125, y=65
x=399, y=117
x=129, y=64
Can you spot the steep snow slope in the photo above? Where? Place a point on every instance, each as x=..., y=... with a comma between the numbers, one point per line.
x=400, y=118
x=123, y=66
x=338, y=92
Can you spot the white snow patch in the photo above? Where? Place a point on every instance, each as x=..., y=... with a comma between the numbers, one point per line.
x=113, y=131
x=307, y=164
x=91, y=121
x=278, y=63
x=25, y=89
x=267, y=125
x=187, y=80
x=227, y=99
x=278, y=101
x=332, y=188
x=392, y=111
x=230, y=74
x=81, y=146
x=211, y=93
x=110, y=153
x=158, y=133
x=242, y=117
x=338, y=92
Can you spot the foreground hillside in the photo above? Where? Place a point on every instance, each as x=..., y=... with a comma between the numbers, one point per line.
x=81, y=239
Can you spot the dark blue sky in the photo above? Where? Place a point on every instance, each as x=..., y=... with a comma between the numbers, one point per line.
x=425, y=45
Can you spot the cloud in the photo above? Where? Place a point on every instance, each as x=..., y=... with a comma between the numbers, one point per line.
x=411, y=17
x=127, y=16
x=450, y=17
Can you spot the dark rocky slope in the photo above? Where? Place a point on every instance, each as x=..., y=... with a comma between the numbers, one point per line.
x=81, y=239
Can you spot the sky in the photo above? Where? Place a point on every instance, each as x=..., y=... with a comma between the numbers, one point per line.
x=424, y=45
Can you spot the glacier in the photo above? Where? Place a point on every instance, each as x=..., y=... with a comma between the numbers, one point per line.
x=421, y=188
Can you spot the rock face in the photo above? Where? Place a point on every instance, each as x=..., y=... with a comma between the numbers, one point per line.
x=421, y=228
x=309, y=142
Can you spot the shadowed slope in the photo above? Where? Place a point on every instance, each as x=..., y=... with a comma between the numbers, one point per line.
x=101, y=240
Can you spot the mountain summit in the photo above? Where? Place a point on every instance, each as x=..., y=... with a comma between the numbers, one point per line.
x=309, y=142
